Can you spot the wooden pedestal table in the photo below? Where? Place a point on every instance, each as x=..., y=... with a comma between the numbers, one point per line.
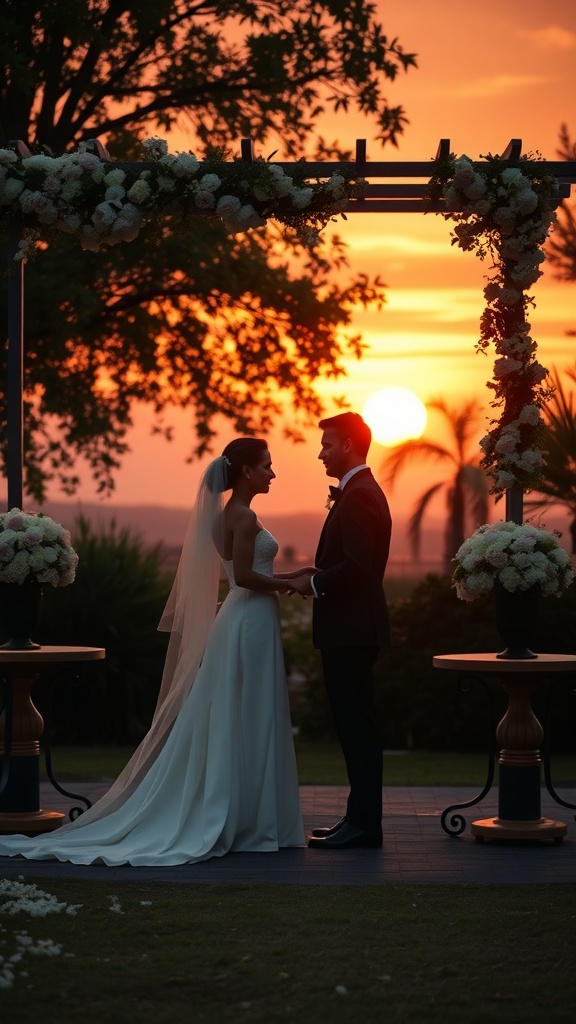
x=519, y=736
x=21, y=726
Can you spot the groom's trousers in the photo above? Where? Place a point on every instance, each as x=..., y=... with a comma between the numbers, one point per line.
x=348, y=675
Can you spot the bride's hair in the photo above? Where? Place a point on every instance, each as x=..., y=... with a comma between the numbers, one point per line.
x=243, y=451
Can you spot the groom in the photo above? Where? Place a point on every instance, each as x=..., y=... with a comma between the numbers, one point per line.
x=350, y=622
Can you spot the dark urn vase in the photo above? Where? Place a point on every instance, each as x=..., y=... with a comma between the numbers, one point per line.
x=516, y=616
x=20, y=607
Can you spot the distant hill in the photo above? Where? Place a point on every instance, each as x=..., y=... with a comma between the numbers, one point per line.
x=296, y=534
x=158, y=523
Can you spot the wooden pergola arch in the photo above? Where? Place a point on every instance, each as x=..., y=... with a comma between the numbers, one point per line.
x=411, y=198
x=385, y=195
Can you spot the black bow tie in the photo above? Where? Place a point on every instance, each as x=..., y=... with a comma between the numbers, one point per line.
x=335, y=493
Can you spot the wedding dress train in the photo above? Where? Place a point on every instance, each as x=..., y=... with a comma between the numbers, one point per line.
x=225, y=780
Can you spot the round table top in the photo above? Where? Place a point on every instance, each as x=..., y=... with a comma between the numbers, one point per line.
x=492, y=663
x=47, y=654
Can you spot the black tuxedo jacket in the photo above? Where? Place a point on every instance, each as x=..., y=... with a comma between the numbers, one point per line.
x=350, y=609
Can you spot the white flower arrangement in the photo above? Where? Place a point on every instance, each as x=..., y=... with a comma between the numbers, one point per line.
x=519, y=557
x=504, y=212
x=104, y=204
x=35, y=549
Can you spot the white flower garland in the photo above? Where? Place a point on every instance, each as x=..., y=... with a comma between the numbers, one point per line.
x=504, y=212
x=499, y=210
x=103, y=203
x=35, y=549
x=519, y=557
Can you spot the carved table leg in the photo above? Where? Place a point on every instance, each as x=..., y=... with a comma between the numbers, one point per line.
x=519, y=736
x=20, y=810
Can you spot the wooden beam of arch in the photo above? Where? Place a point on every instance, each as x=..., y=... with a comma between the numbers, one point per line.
x=380, y=197
x=407, y=198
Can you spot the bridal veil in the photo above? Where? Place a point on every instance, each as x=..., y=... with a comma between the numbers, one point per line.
x=188, y=615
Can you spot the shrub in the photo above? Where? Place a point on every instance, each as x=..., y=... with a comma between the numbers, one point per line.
x=115, y=602
x=422, y=707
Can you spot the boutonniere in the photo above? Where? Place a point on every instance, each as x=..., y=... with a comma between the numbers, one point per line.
x=333, y=494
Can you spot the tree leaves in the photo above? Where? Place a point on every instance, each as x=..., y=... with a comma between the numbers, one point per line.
x=240, y=327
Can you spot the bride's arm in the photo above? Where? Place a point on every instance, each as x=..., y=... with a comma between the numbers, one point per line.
x=305, y=570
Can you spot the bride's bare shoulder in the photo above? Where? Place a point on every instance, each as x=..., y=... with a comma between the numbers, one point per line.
x=239, y=517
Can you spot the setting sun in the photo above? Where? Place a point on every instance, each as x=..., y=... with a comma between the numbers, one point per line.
x=395, y=415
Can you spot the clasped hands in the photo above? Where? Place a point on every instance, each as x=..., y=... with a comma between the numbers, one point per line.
x=300, y=582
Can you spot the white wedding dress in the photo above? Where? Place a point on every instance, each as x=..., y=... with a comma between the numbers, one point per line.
x=225, y=780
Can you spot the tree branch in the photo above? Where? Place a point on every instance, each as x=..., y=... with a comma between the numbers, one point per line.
x=107, y=88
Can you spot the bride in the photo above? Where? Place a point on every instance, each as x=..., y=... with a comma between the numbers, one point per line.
x=216, y=773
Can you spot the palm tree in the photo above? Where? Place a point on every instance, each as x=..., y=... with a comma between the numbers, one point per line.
x=558, y=485
x=466, y=487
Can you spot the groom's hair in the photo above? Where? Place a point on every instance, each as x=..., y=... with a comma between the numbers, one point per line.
x=350, y=426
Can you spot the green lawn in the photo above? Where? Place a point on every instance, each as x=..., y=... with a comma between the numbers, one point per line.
x=150, y=952
x=320, y=763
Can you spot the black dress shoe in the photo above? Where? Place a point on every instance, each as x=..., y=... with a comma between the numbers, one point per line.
x=348, y=838
x=322, y=832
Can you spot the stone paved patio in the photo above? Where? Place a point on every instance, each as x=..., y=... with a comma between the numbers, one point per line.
x=415, y=847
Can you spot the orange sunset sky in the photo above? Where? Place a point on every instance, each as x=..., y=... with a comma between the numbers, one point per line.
x=486, y=73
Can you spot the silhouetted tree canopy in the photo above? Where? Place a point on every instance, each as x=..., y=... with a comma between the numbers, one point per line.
x=186, y=316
